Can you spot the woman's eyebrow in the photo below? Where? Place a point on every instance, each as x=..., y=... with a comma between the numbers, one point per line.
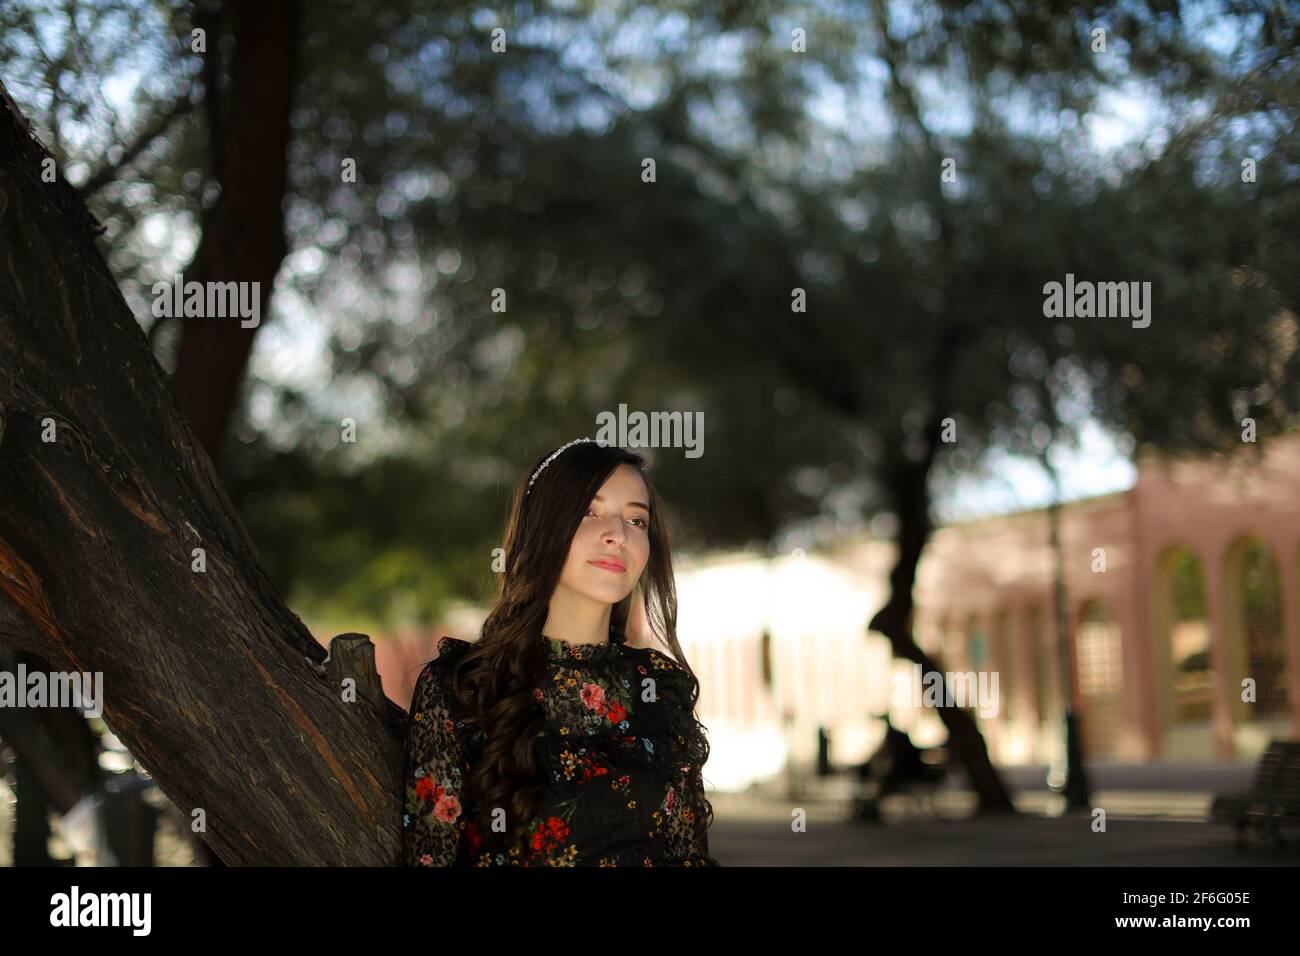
x=630, y=504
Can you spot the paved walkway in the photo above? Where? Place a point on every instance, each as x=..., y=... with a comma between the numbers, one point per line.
x=1142, y=829
x=1148, y=824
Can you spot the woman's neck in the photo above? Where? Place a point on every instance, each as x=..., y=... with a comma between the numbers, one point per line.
x=576, y=619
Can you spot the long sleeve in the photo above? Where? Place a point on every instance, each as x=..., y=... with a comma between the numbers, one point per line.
x=697, y=850
x=433, y=814
x=689, y=843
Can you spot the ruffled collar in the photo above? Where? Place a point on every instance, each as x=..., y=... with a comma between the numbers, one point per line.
x=561, y=650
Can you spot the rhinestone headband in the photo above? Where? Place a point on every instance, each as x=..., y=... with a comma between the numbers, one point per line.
x=554, y=455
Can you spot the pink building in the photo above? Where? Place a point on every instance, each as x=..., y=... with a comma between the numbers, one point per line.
x=1181, y=598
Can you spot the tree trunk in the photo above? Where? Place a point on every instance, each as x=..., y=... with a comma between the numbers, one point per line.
x=55, y=743
x=105, y=495
x=243, y=234
x=908, y=484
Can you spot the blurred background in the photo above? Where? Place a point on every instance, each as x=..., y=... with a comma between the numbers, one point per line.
x=829, y=230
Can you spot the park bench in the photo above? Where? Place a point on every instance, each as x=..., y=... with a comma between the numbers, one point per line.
x=1273, y=801
x=917, y=778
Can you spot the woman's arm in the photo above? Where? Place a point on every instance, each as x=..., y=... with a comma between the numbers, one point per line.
x=692, y=848
x=433, y=813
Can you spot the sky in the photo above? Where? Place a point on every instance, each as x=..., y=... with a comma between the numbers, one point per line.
x=1098, y=467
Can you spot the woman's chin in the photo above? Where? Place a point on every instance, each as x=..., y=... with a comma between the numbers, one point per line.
x=608, y=594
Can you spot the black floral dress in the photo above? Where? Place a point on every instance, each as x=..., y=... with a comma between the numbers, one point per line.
x=621, y=757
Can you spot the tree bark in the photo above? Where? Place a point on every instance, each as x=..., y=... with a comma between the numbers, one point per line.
x=105, y=493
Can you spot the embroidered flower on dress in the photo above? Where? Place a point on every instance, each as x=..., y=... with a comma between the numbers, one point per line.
x=447, y=809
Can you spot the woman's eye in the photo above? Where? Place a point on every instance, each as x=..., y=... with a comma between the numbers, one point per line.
x=644, y=524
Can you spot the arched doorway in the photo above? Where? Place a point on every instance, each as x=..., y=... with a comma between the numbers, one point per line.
x=1256, y=645
x=1099, y=659
x=1184, y=671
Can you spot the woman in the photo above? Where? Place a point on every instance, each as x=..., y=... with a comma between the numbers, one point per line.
x=563, y=736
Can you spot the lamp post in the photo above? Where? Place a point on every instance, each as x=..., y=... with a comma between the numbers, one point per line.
x=1074, y=787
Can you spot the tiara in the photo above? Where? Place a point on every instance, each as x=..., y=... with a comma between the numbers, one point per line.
x=554, y=455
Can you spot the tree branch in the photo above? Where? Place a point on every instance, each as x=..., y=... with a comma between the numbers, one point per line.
x=108, y=172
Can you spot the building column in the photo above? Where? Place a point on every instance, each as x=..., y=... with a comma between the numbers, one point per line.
x=1018, y=624
x=1216, y=603
x=1135, y=683
x=1143, y=636
x=996, y=730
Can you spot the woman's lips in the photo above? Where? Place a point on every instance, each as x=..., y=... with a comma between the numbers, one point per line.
x=609, y=566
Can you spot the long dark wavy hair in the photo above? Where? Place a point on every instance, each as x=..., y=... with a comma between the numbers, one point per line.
x=496, y=678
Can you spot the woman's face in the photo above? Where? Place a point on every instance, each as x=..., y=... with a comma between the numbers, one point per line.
x=612, y=544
